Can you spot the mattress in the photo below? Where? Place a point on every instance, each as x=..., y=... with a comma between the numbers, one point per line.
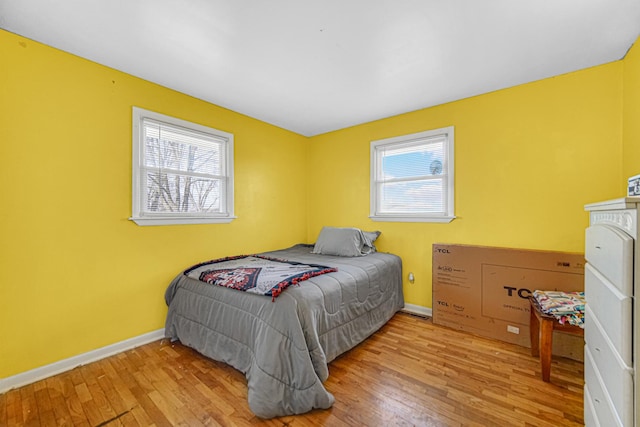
x=283, y=345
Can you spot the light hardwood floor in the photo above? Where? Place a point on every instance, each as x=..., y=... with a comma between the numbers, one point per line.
x=410, y=373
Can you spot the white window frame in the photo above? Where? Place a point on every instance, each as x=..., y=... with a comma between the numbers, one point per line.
x=377, y=148
x=139, y=190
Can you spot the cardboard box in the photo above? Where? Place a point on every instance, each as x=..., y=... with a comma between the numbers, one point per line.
x=484, y=290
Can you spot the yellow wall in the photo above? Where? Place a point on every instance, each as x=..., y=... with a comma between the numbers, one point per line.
x=75, y=274
x=527, y=159
x=631, y=113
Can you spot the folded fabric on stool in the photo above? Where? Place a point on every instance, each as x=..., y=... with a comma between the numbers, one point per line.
x=567, y=307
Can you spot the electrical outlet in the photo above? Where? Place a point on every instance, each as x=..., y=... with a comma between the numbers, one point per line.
x=513, y=329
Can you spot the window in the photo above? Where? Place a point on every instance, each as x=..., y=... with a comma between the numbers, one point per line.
x=182, y=172
x=412, y=177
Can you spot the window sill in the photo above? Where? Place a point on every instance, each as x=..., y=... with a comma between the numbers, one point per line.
x=181, y=221
x=399, y=218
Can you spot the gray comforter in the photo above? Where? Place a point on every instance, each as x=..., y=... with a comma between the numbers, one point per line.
x=283, y=346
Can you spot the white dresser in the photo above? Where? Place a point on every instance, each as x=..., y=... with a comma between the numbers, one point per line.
x=611, y=327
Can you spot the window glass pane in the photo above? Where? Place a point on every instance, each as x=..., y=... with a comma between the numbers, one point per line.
x=168, y=148
x=412, y=197
x=168, y=192
x=417, y=161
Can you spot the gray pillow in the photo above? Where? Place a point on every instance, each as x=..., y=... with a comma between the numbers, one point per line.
x=345, y=242
x=371, y=237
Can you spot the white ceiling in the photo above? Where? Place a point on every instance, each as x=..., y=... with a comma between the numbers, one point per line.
x=313, y=66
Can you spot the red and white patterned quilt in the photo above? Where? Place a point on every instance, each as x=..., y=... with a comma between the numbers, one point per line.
x=255, y=273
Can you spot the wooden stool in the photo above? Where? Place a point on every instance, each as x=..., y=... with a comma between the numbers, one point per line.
x=541, y=327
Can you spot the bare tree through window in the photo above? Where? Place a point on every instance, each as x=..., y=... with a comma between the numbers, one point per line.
x=183, y=170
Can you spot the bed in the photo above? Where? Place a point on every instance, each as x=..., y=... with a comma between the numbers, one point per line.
x=283, y=344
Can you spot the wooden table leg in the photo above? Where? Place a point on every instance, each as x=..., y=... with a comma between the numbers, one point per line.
x=546, y=340
x=534, y=331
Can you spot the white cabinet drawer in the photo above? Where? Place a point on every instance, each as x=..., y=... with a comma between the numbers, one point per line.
x=590, y=415
x=598, y=398
x=610, y=251
x=596, y=337
x=612, y=309
x=617, y=376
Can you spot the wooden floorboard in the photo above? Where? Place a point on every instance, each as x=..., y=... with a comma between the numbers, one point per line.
x=410, y=373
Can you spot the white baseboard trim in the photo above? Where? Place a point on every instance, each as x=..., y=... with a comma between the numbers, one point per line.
x=61, y=366
x=418, y=310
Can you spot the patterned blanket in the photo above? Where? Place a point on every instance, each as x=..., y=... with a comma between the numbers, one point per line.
x=255, y=273
x=567, y=307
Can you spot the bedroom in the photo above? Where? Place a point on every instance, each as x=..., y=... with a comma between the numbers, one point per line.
x=77, y=275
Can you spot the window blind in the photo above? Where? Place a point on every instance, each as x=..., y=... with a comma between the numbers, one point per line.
x=183, y=170
x=412, y=177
